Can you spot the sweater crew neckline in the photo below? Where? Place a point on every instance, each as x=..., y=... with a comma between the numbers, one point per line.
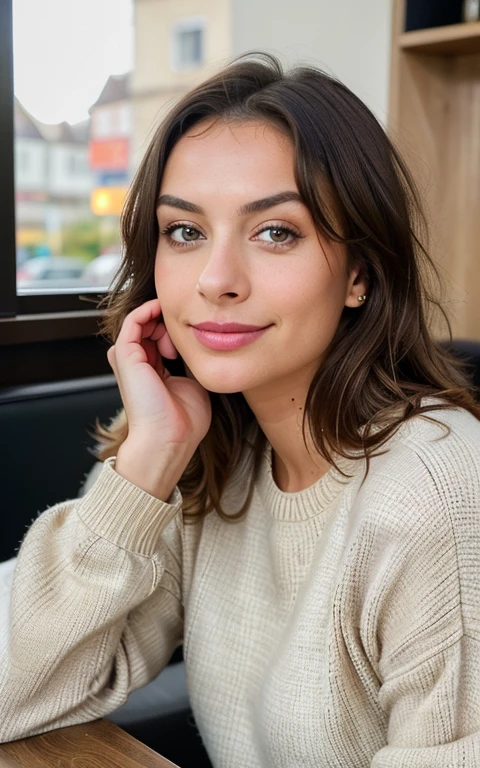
x=309, y=502
x=302, y=505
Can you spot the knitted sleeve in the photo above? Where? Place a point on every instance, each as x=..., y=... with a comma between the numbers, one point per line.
x=96, y=607
x=434, y=711
x=425, y=643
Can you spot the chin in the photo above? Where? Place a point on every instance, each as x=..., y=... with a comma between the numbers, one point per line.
x=223, y=390
x=220, y=386
x=222, y=379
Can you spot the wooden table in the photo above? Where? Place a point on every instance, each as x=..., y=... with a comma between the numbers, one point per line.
x=99, y=744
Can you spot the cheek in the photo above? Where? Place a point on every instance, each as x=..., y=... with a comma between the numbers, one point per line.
x=313, y=295
x=173, y=292
x=311, y=314
x=170, y=286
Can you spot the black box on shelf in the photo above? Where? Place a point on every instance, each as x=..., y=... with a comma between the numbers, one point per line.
x=423, y=14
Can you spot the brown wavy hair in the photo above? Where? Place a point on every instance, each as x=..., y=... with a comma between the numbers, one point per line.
x=383, y=359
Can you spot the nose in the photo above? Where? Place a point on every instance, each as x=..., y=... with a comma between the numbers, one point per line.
x=224, y=278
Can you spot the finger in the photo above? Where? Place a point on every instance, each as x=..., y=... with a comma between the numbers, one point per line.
x=166, y=347
x=139, y=323
x=150, y=328
x=155, y=359
x=150, y=348
x=159, y=331
x=163, y=372
x=145, y=312
x=164, y=342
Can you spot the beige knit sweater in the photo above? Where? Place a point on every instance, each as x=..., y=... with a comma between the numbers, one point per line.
x=337, y=627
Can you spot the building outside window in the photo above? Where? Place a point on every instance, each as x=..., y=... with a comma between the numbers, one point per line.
x=187, y=43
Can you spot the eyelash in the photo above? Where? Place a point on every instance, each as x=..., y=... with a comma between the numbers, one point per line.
x=273, y=246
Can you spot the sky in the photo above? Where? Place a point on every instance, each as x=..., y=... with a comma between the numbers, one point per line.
x=64, y=52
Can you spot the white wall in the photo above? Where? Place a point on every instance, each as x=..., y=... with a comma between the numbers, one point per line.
x=348, y=38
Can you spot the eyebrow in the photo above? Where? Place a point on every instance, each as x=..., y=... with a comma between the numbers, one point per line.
x=257, y=206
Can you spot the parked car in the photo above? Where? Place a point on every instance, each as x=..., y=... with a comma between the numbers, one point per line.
x=51, y=272
x=101, y=270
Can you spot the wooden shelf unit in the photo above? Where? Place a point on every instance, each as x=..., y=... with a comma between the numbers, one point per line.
x=434, y=118
x=454, y=40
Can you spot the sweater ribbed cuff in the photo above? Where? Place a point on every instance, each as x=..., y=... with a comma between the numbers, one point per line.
x=124, y=514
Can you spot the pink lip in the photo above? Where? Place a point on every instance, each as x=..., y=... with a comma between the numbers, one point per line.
x=227, y=327
x=227, y=336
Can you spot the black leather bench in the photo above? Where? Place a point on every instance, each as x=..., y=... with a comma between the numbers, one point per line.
x=46, y=449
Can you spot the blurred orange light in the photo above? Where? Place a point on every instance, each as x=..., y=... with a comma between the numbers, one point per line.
x=107, y=201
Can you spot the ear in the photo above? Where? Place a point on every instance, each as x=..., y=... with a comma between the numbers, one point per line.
x=357, y=288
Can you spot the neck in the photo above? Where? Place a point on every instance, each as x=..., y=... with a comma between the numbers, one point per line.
x=296, y=464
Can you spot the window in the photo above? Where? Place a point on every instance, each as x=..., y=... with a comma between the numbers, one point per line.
x=188, y=43
x=72, y=137
x=64, y=173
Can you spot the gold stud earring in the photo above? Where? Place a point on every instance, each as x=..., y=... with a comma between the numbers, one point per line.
x=362, y=298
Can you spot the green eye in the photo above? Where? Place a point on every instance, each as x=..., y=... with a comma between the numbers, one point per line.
x=278, y=235
x=188, y=234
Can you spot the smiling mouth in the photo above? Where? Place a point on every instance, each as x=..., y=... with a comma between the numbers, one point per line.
x=228, y=327
x=227, y=336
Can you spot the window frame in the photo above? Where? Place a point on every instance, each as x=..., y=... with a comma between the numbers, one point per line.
x=187, y=24
x=33, y=315
x=8, y=301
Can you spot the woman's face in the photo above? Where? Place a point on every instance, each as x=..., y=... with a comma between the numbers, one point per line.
x=236, y=245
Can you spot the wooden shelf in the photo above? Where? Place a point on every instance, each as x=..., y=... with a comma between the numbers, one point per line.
x=452, y=40
x=434, y=119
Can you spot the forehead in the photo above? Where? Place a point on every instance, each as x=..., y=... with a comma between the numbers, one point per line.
x=228, y=155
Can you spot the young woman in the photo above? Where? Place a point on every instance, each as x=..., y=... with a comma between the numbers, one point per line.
x=294, y=490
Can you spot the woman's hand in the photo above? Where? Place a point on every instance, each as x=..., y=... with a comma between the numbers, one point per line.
x=167, y=415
